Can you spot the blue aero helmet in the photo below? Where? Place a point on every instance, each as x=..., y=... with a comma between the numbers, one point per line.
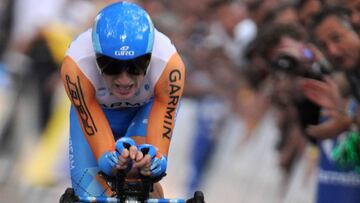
x=123, y=38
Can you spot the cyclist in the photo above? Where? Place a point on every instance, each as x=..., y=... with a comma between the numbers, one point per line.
x=125, y=80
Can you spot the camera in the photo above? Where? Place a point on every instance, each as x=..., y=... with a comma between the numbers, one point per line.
x=291, y=65
x=308, y=113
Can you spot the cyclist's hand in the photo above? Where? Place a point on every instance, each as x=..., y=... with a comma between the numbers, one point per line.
x=126, y=151
x=153, y=163
x=107, y=162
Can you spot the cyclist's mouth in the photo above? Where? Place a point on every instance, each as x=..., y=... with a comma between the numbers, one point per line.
x=123, y=89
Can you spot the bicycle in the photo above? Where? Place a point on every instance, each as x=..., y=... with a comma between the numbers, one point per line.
x=127, y=191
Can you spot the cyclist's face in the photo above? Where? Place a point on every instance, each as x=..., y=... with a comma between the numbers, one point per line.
x=124, y=85
x=340, y=43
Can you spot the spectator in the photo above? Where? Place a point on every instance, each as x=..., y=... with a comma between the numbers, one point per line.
x=307, y=9
x=340, y=43
x=283, y=13
x=225, y=29
x=295, y=112
x=354, y=7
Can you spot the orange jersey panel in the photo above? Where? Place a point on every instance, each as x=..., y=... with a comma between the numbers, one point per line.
x=168, y=92
x=92, y=119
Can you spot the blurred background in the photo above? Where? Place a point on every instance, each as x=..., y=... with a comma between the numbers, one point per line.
x=237, y=137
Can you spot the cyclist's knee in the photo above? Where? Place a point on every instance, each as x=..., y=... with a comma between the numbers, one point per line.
x=157, y=192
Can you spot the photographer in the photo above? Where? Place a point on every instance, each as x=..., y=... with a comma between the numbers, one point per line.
x=287, y=53
x=290, y=58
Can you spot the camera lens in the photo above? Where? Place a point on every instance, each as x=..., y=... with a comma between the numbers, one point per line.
x=285, y=63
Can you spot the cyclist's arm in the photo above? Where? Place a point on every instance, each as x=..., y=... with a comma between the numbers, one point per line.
x=92, y=119
x=168, y=92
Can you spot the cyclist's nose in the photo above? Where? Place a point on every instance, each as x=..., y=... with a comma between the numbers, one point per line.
x=123, y=78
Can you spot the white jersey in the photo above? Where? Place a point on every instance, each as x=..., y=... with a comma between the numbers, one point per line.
x=82, y=53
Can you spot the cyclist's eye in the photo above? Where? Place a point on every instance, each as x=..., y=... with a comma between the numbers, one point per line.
x=111, y=71
x=134, y=71
x=111, y=66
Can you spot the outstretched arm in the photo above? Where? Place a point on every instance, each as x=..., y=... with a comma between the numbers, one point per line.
x=91, y=117
x=168, y=92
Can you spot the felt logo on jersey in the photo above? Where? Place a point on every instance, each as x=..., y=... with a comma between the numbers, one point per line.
x=124, y=51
